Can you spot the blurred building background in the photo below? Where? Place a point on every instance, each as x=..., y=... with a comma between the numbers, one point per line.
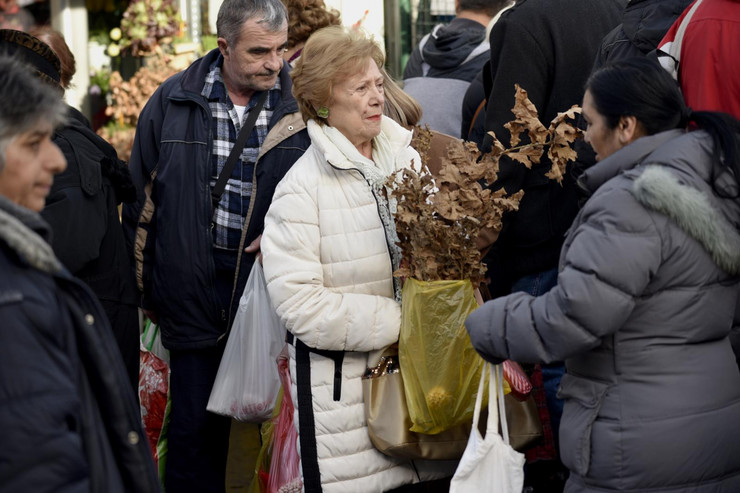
x=113, y=39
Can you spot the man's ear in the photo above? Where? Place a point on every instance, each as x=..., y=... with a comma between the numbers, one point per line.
x=223, y=47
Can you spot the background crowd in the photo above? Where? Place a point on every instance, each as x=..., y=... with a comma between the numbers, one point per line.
x=617, y=289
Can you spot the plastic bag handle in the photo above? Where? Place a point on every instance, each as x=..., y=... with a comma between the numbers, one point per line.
x=495, y=396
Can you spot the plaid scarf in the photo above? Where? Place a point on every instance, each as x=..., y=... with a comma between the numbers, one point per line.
x=232, y=209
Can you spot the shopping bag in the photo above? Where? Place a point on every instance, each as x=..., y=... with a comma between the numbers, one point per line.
x=154, y=374
x=247, y=381
x=516, y=380
x=489, y=463
x=262, y=464
x=285, y=475
x=439, y=366
x=151, y=338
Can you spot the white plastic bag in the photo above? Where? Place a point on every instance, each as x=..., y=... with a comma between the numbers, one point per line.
x=247, y=382
x=490, y=464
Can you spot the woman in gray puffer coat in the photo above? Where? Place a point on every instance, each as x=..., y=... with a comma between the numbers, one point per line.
x=646, y=295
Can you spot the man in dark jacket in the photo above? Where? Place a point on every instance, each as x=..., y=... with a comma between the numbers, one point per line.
x=446, y=60
x=192, y=261
x=644, y=23
x=67, y=415
x=548, y=48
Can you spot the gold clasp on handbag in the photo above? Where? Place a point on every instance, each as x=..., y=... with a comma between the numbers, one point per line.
x=386, y=366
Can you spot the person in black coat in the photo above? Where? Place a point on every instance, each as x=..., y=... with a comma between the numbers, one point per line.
x=547, y=47
x=82, y=210
x=644, y=23
x=68, y=419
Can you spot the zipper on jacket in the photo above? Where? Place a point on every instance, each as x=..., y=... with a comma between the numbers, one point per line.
x=207, y=194
x=377, y=206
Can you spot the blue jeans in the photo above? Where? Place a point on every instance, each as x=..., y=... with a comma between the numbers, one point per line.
x=536, y=285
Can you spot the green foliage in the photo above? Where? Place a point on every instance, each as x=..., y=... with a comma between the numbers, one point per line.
x=146, y=23
x=101, y=79
x=209, y=42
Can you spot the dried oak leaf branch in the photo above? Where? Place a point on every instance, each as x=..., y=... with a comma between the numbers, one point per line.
x=558, y=137
x=439, y=218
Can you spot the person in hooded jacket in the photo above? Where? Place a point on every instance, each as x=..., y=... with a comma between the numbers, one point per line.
x=67, y=416
x=445, y=62
x=645, y=296
x=644, y=23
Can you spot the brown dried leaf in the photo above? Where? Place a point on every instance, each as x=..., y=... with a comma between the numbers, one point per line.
x=527, y=155
x=439, y=218
x=422, y=142
x=525, y=118
x=563, y=135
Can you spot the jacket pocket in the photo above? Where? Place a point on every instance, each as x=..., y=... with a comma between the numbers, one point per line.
x=10, y=297
x=583, y=400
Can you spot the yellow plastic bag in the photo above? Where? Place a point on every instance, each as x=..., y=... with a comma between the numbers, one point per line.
x=262, y=466
x=439, y=366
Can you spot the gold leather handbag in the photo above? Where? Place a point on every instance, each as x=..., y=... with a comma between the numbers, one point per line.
x=388, y=418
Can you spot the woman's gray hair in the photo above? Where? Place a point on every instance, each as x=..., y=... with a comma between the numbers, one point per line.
x=234, y=13
x=25, y=101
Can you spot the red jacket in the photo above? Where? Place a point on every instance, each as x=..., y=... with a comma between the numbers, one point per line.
x=709, y=70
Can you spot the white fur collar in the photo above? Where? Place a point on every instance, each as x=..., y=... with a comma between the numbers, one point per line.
x=659, y=189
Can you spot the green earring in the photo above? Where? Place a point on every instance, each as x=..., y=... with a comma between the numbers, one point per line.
x=323, y=112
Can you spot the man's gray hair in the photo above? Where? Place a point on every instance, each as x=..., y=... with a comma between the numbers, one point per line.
x=25, y=101
x=234, y=13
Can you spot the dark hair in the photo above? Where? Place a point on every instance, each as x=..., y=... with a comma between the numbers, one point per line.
x=640, y=87
x=56, y=42
x=37, y=54
x=489, y=7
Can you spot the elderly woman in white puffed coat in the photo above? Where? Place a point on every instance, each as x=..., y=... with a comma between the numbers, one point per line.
x=329, y=255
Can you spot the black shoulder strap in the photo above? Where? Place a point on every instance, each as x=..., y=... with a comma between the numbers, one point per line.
x=236, y=151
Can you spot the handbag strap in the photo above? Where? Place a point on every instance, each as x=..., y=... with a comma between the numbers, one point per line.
x=501, y=405
x=479, y=397
x=496, y=408
x=241, y=140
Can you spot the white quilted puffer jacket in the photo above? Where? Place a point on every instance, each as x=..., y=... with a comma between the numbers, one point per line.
x=329, y=275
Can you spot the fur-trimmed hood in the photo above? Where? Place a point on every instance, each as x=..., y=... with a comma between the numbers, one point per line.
x=673, y=174
x=659, y=189
x=27, y=235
